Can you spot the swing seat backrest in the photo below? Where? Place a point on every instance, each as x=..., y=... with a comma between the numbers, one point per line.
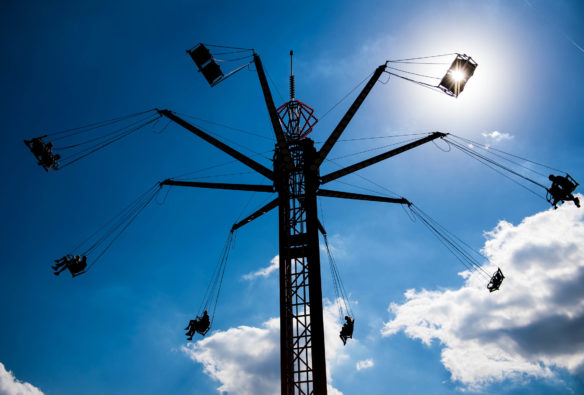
x=205, y=331
x=76, y=268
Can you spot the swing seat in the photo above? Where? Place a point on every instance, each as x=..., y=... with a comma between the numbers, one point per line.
x=574, y=182
x=43, y=154
x=206, y=64
x=76, y=269
x=496, y=281
x=458, y=74
x=203, y=333
x=198, y=326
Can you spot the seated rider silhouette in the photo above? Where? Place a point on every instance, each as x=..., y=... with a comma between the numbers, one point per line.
x=36, y=146
x=347, y=329
x=199, y=324
x=43, y=153
x=78, y=266
x=496, y=281
x=561, y=190
x=75, y=264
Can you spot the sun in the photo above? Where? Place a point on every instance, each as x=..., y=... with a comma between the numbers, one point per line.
x=458, y=75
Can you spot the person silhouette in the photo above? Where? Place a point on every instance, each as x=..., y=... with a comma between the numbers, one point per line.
x=75, y=264
x=496, y=281
x=347, y=329
x=199, y=324
x=62, y=264
x=43, y=153
x=561, y=190
x=77, y=267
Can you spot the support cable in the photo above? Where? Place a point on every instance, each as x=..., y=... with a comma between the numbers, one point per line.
x=105, y=136
x=99, y=147
x=347, y=95
x=92, y=126
x=224, y=46
x=409, y=72
x=275, y=86
x=365, y=179
x=340, y=293
x=224, y=126
x=385, y=136
x=232, y=60
x=423, y=84
x=114, y=228
x=229, y=140
x=506, y=153
x=492, y=163
x=464, y=253
x=421, y=57
x=375, y=149
x=222, y=164
x=211, y=296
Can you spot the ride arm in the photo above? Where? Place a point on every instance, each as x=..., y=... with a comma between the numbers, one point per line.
x=268, y=207
x=274, y=118
x=223, y=147
x=330, y=142
x=359, y=196
x=220, y=185
x=371, y=161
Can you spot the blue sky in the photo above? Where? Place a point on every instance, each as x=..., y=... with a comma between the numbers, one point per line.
x=118, y=329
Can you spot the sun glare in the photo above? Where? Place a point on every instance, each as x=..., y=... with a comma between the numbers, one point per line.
x=458, y=75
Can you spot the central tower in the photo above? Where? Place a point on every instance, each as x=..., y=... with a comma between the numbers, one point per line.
x=303, y=366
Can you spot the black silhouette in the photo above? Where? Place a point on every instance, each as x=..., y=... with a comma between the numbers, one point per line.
x=347, y=329
x=199, y=324
x=75, y=264
x=561, y=190
x=43, y=153
x=496, y=281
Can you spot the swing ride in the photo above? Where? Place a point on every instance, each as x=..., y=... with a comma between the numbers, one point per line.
x=295, y=179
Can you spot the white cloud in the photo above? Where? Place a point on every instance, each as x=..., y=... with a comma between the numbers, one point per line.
x=496, y=136
x=246, y=359
x=531, y=327
x=365, y=364
x=266, y=271
x=10, y=385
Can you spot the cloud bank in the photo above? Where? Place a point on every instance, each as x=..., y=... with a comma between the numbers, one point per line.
x=246, y=359
x=531, y=327
x=10, y=385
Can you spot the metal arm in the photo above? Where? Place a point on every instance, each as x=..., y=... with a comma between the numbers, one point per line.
x=359, y=196
x=328, y=145
x=223, y=147
x=272, y=110
x=371, y=161
x=273, y=204
x=218, y=185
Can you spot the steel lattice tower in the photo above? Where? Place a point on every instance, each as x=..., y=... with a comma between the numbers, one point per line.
x=297, y=181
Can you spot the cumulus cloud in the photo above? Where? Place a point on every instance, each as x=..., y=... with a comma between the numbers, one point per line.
x=246, y=359
x=266, y=271
x=531, y=327
x=496, y=137
x=365, y=364
x=10, y=385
